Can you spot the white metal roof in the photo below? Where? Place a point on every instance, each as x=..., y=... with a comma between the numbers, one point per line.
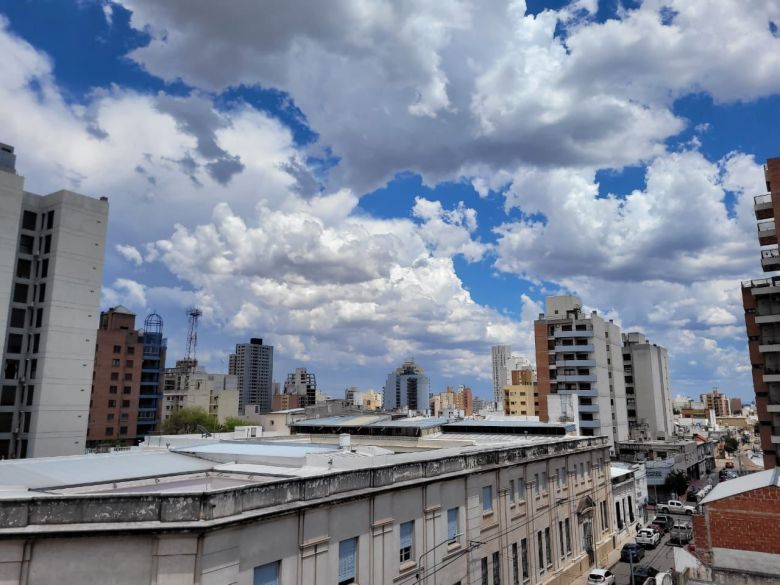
x=746, y=483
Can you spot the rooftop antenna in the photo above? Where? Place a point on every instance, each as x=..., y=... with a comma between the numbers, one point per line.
x=193, y=314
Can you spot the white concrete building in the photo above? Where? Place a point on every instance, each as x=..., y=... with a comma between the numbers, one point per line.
x=51, y=271
x=500, y=355
x=648, y=390
x=463, y=507
x=582, y=354
x=407, y=388
x=217, y=394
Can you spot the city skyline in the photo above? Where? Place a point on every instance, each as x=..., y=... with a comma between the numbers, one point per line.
x=248, y=190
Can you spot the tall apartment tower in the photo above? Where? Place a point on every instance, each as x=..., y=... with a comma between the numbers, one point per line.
x=253, y=363
x=302, y=383
x=761, y=301
x=716, y=401
x=648, y=390
x=150, y=394
x=582, y=354
x=500, y=355
x=407, y=387
x=51, y=270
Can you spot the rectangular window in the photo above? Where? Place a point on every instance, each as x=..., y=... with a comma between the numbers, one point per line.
x=11, y=370
x=512, y=491
x=123, y=417
x=406, y=541
x=485, y=577
x=14, y=343
x=125, y=404
x=8, y=397
x=42, y=292
x=39, y=318
x=117, y=349
x=23, y=268
x=128, y=363
x=487, y=499
x=26, y=244
x=47, y=244
x=128, y=377
x=109, y=430
x=122, y=430
x=347, y=561
x=496, y=568
x=33, y=373
x=130, y=350
x=524, y=559
x=568, y=536
x=520, y=489
x=17, y=318
x=45, y=268
x=630, y=510
x=20, y=292
x=50, y=220
x=515, y=565
x=29, y=220
x=112, y=403
x=126, y=390
x=548, y=547
x=536, y=484
x=544, y=481
x=36, y=342
x=452, y=525
x=562, y=550
x=30, y=394
x=115, y=363
x=110, y=417
x=115, y=375
x=540, y=552
x=266, y=574
x=112, y=389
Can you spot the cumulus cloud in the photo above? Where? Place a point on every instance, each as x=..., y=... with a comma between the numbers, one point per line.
x=130, y=253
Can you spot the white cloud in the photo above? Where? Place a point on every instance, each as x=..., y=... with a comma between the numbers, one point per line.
x=130, y=253
x=125, y=292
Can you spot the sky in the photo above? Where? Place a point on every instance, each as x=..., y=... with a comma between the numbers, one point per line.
x=363, y=182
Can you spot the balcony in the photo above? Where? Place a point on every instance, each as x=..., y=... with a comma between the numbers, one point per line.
x=589, y=408
x=573, y=348
x=576, y=378
x=762, y=206
x=576, y=363
x=767, y=235
x=560, y=333
x=769, y=345
x=770, y=259
x=590, y=424
x=771, y=375
x=775, y=435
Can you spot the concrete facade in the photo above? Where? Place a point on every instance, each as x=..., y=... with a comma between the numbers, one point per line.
x=499, y=354
x=582, y=354
x=541, y=511
x=51, y=271
x=648, y=389
x=217, y=394
x=253, y=364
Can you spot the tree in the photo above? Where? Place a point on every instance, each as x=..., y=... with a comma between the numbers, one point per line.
x=187, y=420
x=730, y=444
x=677, y=482
x=231, y=423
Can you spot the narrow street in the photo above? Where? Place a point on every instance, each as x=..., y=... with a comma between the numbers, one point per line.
x=660, y=558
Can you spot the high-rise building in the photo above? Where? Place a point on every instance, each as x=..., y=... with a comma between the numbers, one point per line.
x=152, y=376
x=500, y=355
x=51, y=271
x=253, y=363
x=716, y=401
x=761, y=301
x=582, y=354
x=407, y=387
x=302, y=383
x=736, y=405
x=648, y=390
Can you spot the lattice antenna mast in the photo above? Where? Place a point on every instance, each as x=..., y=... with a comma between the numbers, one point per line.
x=193, y=314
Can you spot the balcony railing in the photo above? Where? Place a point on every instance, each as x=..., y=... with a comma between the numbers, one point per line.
x=766, y=226
x=765, y=198
x=771, y=253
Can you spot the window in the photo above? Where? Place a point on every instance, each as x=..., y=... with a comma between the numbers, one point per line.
x=520, y=489
x=128, y=363
x=29, y=219
x=36, y=342
x=266, y=574
x=487, y=499
x=30, y=394
x=117, y=349
x=582, y=471
x=544, y=481
x=130, y=350
x=11, y=371
x=125, y=404
x=536, y=484
x=26, y=244
x=45, y=268
x=122, y=430
x=604, y=517
x=512, y=491
x=47, y=244
x=114, y=363
x=347, y=562
x=115, y=375
x=567, y=528
x=23, y=268
x=452, y=525
x=50, y=220
x=618, y=517
x=17, y=317
x=485, y=571
x=8, y=397
x=109, y=431
x=562, y=550
x=14, y=343
x=112, y=403
x=42, y=292
x=496, y=568
x=630, y=510
x=128, y=377
x=515, y=565
x=540, y=552
x=20, y=292
x=406, y=541
x=112, y=389
x=110, y=417
x=39, y=318
x=126, y=390
x=548, y=547
x=123, y=416
x=524, y=558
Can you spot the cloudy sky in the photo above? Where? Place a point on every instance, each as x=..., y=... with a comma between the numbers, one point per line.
x=365, y=181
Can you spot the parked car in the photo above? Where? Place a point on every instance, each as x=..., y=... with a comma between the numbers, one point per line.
x=641, y=574
x=631, y=552
x=601, y=577
x=655, y=528
x=648, y=538
x=663, y=522
x=676, y=507
x=681, y=533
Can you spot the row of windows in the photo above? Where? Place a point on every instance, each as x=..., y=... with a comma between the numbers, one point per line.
x=22, y=293
x=23, y=422
x=18, y=320
x=116, y=363
x=30, y=220
x=24, y=268
x=15, y=343
x=8, y=396
x=130, y=349
x=15, y=369
x=109, y=431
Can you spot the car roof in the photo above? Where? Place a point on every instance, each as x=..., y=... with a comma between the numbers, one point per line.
x=599, y=571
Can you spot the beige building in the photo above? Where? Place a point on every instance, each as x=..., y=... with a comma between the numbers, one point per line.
x=717, y=401
x=453, y=402
x=465, y=507
x=521, y=400
x=217, y=394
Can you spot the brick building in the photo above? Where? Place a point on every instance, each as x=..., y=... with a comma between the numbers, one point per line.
x=737, y=536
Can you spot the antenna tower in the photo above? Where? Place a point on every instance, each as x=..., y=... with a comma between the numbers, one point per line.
x=191, y=355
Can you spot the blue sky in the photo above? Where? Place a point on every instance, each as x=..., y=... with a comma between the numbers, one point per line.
x=357, y=187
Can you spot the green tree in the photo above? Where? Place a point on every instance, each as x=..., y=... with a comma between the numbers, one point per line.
x=677, y=482
x=231, y=423
x=188, y=420
x=730, y=444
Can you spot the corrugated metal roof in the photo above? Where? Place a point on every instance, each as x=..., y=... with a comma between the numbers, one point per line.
x=258, y=449
x=746, y=483
x=50, y=472
x=358, y=420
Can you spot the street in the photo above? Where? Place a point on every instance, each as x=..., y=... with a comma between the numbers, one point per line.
x=660, y=558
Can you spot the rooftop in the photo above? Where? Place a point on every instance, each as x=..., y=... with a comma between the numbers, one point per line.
x=746, y=483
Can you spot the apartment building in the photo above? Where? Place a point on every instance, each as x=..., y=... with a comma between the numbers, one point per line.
x=253, y=363
x=407, y=388
x=648, y=390
x=443, y=507
x=761, y=301
x=300, y=389
x=453, y=402
x=521, y=396
x=190, y=386
x=582, y=354
x=51, y=271
x=716, y=401
x=500, y=354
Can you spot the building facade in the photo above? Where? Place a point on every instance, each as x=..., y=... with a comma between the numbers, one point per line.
x=500, y=354
x=526, y=512
x=303, y=384
x=407, y=388
x=716, y=401
x=253, y=363
x=152, y=376
x=521, y=399
x=194, y=387
x=648, y=390
x=453, y=402
x=582, y=354
x=51, y=271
